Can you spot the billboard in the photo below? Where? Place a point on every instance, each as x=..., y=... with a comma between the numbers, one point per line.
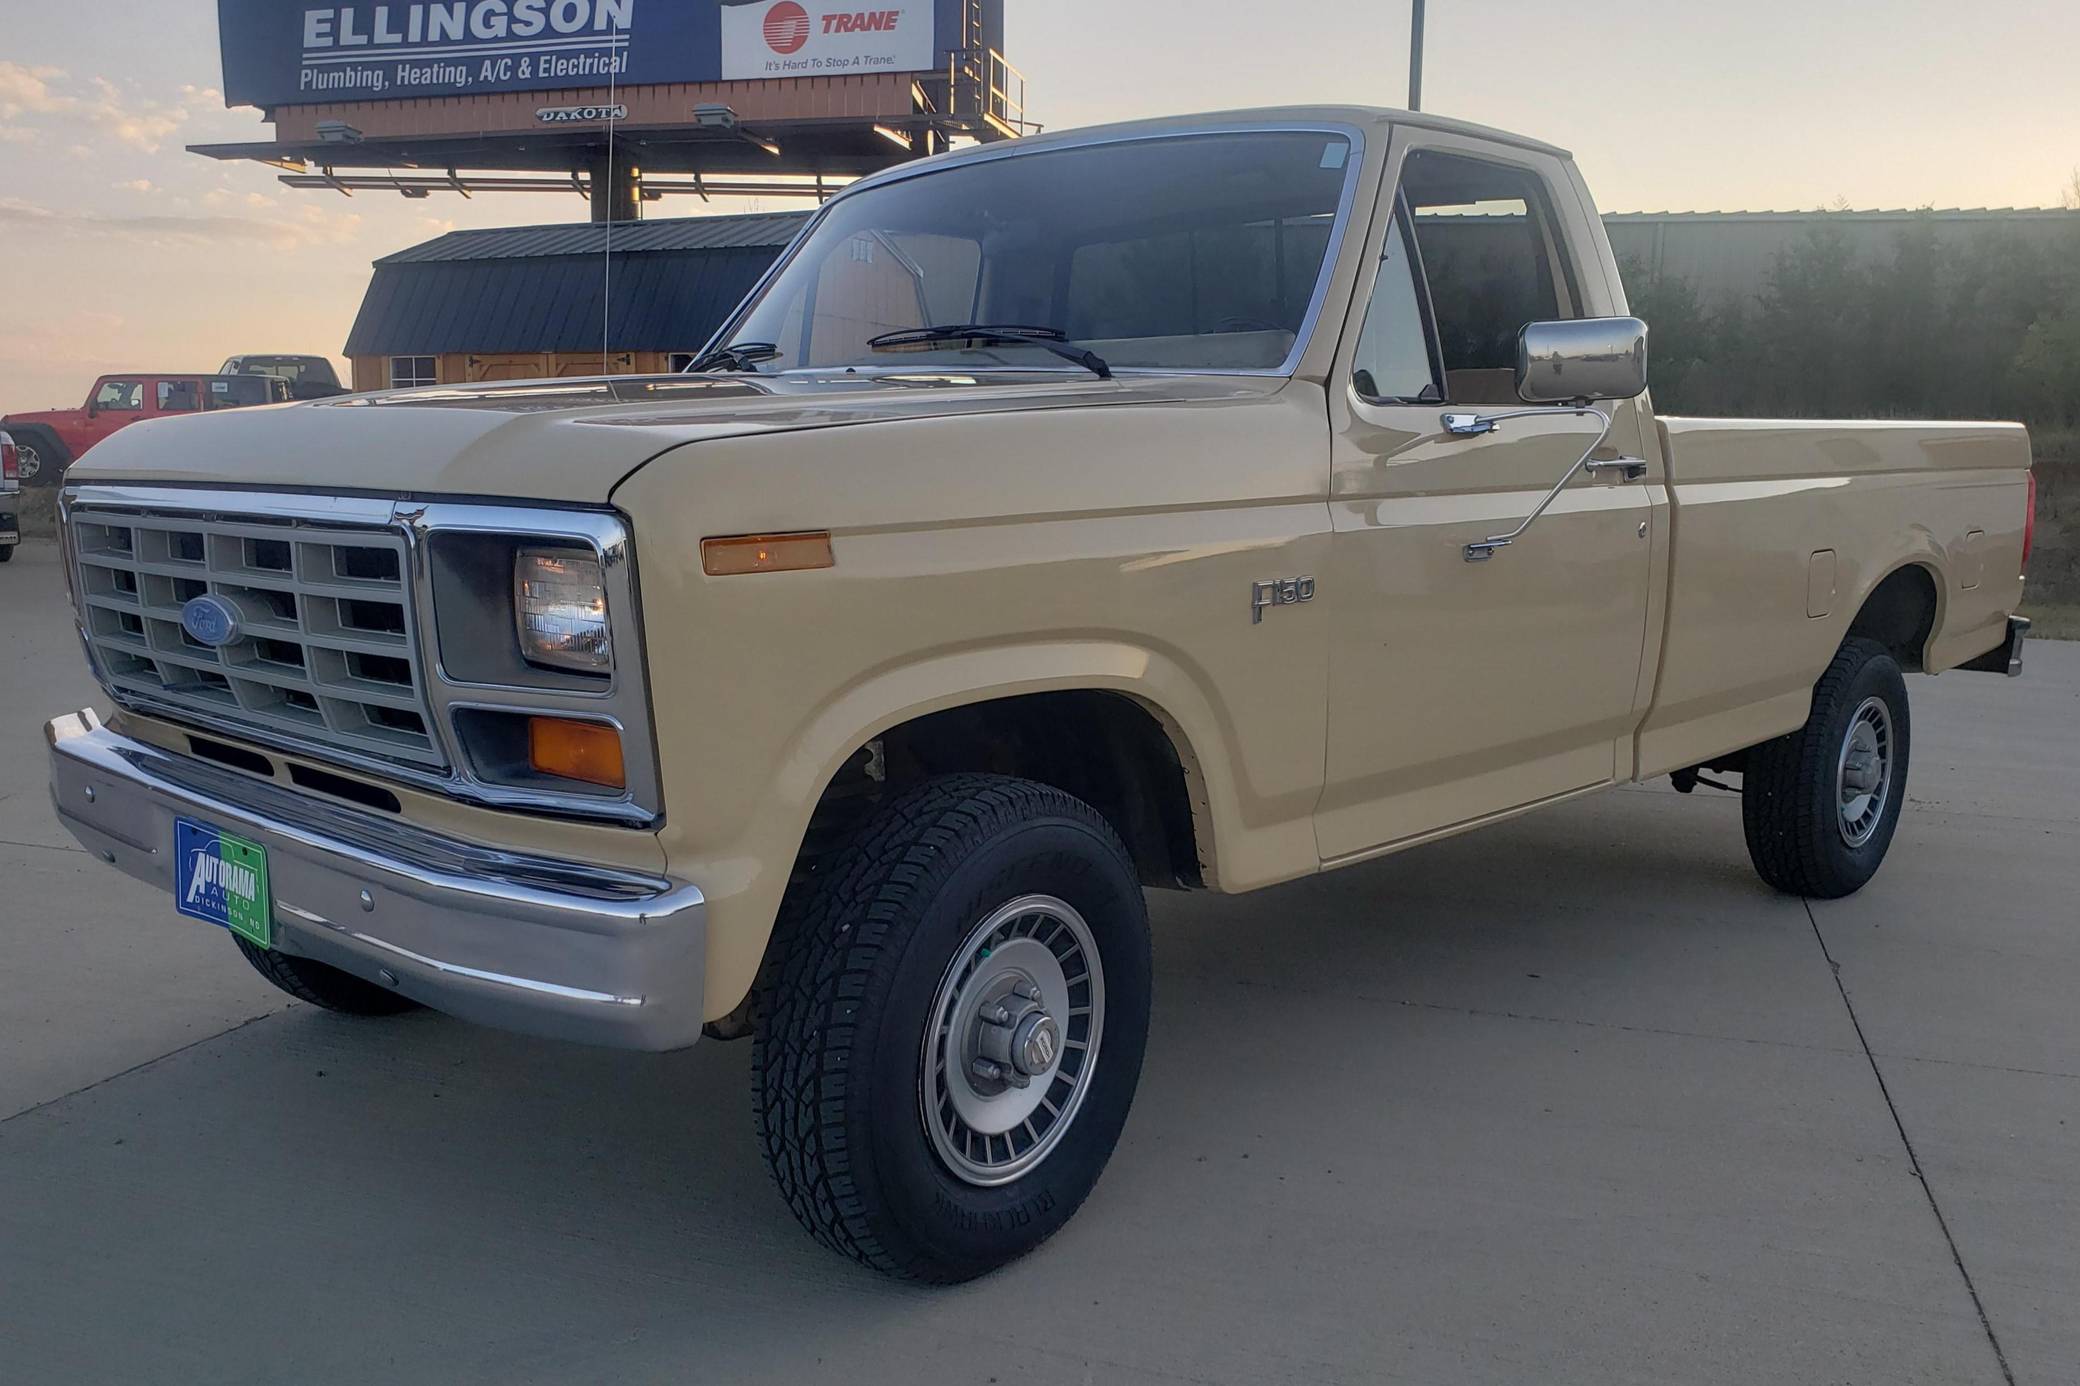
x=282, y=52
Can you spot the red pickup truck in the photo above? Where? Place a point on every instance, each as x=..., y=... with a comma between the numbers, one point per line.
x=49, y=440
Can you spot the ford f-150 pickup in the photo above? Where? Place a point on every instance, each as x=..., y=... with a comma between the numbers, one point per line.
x=1193, y=504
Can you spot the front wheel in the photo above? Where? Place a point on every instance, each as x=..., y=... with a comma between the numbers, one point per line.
x=6, y=552
x=1819, y=806
x=951, y=1026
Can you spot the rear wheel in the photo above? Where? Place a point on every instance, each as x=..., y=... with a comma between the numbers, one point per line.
x=6, y=552
x=322, y=985
x=1819, y=806
x=951, y=1026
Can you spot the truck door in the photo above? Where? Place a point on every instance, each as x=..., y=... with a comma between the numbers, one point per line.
x=1462, y=689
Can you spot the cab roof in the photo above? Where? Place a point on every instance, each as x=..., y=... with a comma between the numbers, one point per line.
x=1364, y=117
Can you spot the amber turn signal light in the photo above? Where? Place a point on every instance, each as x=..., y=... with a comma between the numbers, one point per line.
x=588, y=751
x=766, y=553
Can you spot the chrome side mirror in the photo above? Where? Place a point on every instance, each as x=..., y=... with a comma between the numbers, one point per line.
x=1582, y=359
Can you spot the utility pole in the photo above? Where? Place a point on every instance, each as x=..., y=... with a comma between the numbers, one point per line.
x=1415, y=58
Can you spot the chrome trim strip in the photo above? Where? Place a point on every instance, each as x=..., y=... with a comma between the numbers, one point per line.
x=1011, y=149
x=478, y=974
x=228, y=505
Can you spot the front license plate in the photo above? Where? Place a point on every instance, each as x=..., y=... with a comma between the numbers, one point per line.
x=222, y=879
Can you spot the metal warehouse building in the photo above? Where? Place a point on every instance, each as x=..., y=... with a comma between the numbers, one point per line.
x=528, y=302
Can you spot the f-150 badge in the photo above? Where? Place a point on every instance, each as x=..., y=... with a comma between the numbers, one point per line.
x=1278, y=592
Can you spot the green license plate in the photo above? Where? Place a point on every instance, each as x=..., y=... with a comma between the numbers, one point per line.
x=222, y=879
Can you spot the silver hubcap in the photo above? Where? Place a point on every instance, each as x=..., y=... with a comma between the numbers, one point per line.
x=1863, y=772
x=1012, y=1040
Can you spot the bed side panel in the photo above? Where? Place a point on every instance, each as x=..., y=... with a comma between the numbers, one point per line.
x=1752, y=615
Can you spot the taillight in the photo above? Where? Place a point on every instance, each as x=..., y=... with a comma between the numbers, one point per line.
x=10, y=465
x=2029, y=523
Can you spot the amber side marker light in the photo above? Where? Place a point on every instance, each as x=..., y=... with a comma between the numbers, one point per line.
x=588, y=751
x=766, y=553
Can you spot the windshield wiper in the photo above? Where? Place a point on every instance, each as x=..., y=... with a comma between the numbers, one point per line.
x=1047, y=338
x=737, y=356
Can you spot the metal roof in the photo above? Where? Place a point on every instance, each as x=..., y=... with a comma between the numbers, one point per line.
x=764, y=229
x=543, y=288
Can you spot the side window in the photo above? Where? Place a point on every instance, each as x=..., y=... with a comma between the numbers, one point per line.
x=176, y=396
x=410, y=372
x=1393, y=360
x=1494, y=260
x=120, y=394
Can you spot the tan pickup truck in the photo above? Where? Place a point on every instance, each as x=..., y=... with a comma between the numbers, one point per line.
x=1200, y=503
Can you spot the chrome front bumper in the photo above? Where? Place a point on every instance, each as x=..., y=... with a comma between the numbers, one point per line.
x=548, y=947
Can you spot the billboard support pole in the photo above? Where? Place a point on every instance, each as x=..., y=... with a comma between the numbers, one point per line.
x=1415, y=58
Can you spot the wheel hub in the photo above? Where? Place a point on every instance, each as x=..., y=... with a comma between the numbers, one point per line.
x=1863, y=772
x=1015, y=1027
x=1013, y=1038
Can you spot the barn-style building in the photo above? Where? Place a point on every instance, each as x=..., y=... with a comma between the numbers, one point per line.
x=527, y=302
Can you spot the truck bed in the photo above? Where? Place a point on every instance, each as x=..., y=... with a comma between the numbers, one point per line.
x=1774, y=525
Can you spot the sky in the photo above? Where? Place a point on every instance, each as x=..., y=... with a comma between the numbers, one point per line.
x=119, y=250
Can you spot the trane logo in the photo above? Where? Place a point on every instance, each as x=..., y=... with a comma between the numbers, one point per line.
x=788, y=25
x=864, y=22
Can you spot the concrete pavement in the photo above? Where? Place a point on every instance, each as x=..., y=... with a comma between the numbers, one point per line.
x=1572, y=1100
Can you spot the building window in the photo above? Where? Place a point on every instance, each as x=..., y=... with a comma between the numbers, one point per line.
x=410, y=372
x=678, y=361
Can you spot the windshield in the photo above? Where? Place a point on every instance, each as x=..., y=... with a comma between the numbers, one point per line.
x=1199, y=252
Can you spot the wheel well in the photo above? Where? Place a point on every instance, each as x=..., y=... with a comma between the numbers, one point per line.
x=1900, y=614
x=1104, y=748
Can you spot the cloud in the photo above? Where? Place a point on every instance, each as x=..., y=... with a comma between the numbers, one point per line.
x=286, y=234
x=50, y=93
x=136, y=185
x=28, y=89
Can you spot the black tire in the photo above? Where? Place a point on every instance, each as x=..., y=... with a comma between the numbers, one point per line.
x=323, y=985
x=6, y=553
x=38, y=444
x=865, y=944
x=1789, y=793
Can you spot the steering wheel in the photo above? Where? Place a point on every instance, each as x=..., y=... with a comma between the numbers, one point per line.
x=1239, y=323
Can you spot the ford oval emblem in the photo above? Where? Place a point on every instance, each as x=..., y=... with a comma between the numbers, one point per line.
x=210, y=620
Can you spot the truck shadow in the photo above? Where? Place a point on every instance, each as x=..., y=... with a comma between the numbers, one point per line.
x=454, y=1202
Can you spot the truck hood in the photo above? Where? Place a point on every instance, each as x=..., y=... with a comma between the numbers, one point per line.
x=570, y=440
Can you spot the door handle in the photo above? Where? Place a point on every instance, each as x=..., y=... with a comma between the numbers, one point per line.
x=1627, y=468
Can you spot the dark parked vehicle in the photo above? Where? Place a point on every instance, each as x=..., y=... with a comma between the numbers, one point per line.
x=308, y=377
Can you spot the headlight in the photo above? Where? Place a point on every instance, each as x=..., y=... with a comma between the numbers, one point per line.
x=560, y=604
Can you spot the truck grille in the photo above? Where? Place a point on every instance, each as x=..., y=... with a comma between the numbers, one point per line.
x=325, y=653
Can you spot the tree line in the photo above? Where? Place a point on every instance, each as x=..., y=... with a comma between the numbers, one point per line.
x=1980, y=325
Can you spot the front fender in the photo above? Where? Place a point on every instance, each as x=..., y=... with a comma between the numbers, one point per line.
x=744, y=884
